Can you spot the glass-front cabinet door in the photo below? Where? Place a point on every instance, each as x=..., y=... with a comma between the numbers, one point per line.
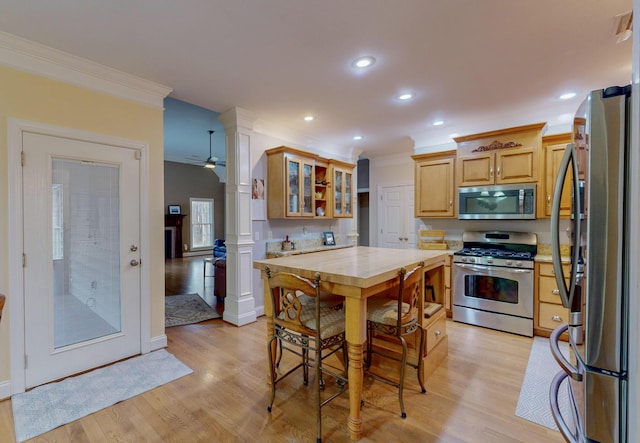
x=342, y=192
x=299, y=187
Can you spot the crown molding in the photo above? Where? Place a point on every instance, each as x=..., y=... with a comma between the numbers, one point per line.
x=34, y=58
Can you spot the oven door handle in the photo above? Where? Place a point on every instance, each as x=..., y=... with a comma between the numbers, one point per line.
x=489, y=269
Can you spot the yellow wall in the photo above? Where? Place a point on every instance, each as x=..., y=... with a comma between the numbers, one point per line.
x=30, y=97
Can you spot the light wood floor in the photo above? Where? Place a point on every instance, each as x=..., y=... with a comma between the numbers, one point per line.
x=471, y=397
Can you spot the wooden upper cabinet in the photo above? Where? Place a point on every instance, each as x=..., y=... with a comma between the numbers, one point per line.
x=342, y=187
x=302, y=185
x=553, y=147
x=435, y=184
x=505, y=156
x=505, y=167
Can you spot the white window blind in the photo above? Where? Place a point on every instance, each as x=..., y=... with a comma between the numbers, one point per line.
x=201, y=223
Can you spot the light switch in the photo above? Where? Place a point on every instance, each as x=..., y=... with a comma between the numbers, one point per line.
x=256, y=235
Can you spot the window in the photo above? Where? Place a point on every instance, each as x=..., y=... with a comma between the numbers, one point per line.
x=201, y=223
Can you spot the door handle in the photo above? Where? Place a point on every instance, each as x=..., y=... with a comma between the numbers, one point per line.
x=134, y=262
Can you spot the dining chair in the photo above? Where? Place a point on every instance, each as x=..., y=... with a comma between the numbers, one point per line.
x=397, y=317
x=304, y=324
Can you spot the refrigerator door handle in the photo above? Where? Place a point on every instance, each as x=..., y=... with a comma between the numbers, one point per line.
x=566, y=293
x=566, y=366
x=569, y=436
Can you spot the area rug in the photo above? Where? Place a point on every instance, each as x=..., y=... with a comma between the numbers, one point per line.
x=533, y=403
x=186, y=309
x=49, y=406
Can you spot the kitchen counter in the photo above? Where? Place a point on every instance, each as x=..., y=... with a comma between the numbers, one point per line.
x=544, y=253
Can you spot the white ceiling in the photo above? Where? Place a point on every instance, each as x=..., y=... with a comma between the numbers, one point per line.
x=477, y=65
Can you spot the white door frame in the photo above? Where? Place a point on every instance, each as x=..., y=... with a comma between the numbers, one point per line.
x=15, y=129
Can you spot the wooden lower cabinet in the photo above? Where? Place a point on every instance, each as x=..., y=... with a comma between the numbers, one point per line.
x=436, y=343
x=548, y=310
x=436, y=349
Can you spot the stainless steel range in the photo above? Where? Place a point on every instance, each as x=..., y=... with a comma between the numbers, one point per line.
x=493, y=280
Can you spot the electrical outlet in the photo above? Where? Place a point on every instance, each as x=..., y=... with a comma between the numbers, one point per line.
x=186, y=248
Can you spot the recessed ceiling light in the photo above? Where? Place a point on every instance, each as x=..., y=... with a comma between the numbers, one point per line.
x=567, y=96
x=438, y=123
x=357, y=137
x=308, y=118
x=364, y=62
x=405, y=96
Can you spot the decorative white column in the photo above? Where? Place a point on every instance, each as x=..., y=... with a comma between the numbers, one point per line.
x=239, y=304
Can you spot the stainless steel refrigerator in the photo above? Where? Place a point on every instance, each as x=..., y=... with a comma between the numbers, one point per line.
x=597, y=292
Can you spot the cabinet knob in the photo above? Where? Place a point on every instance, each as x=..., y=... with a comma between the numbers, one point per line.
x=548, y=198
x=556, y=318
x=490, y=172
x=438, y=333
x=450, y=203
x=555, y=292
x=498, y=171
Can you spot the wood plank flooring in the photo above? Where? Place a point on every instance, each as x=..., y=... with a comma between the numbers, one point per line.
x=471, y=397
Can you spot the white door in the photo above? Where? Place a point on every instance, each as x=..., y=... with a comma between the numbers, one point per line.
x=395, y=217
x=81, y=205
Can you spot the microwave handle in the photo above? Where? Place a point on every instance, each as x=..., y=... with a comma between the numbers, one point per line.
x=521, y=201
x=566, y=293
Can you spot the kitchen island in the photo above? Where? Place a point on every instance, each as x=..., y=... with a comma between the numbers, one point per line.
x=355, y=273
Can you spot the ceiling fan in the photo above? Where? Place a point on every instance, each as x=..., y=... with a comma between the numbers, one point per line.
x=212, y=162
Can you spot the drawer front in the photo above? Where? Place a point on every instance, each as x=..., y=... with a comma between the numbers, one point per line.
x=551, y=316
x=435, y=333
x=547, y=269
x=548, y=290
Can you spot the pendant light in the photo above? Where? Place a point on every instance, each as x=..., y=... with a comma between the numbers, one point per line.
x=210, y=164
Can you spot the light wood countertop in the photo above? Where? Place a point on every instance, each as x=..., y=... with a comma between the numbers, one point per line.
x=360, y=266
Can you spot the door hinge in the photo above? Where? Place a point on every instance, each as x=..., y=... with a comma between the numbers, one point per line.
x=26, y=361
x=138, y=154
x=22, y=158
x=24, y=260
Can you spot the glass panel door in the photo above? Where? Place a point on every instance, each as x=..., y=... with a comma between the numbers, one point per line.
x=307, y=204
x=337, y=208
x=293, y=172
x=347, y=193
x=86, y=251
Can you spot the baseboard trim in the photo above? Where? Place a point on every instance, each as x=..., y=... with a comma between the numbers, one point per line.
x=5, y=389
x=158, y=342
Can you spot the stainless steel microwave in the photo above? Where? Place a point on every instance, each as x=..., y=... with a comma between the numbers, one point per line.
x=502, y=202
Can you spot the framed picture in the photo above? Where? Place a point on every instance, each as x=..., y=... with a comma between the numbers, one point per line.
x=329, y=240
x=174, y=209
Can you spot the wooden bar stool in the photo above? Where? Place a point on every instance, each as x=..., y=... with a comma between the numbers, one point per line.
x=397, y=318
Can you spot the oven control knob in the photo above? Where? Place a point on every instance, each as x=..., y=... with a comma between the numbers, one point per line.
x=472, y=259
x=519, y=264
x=508, y=263
x=489, y=260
